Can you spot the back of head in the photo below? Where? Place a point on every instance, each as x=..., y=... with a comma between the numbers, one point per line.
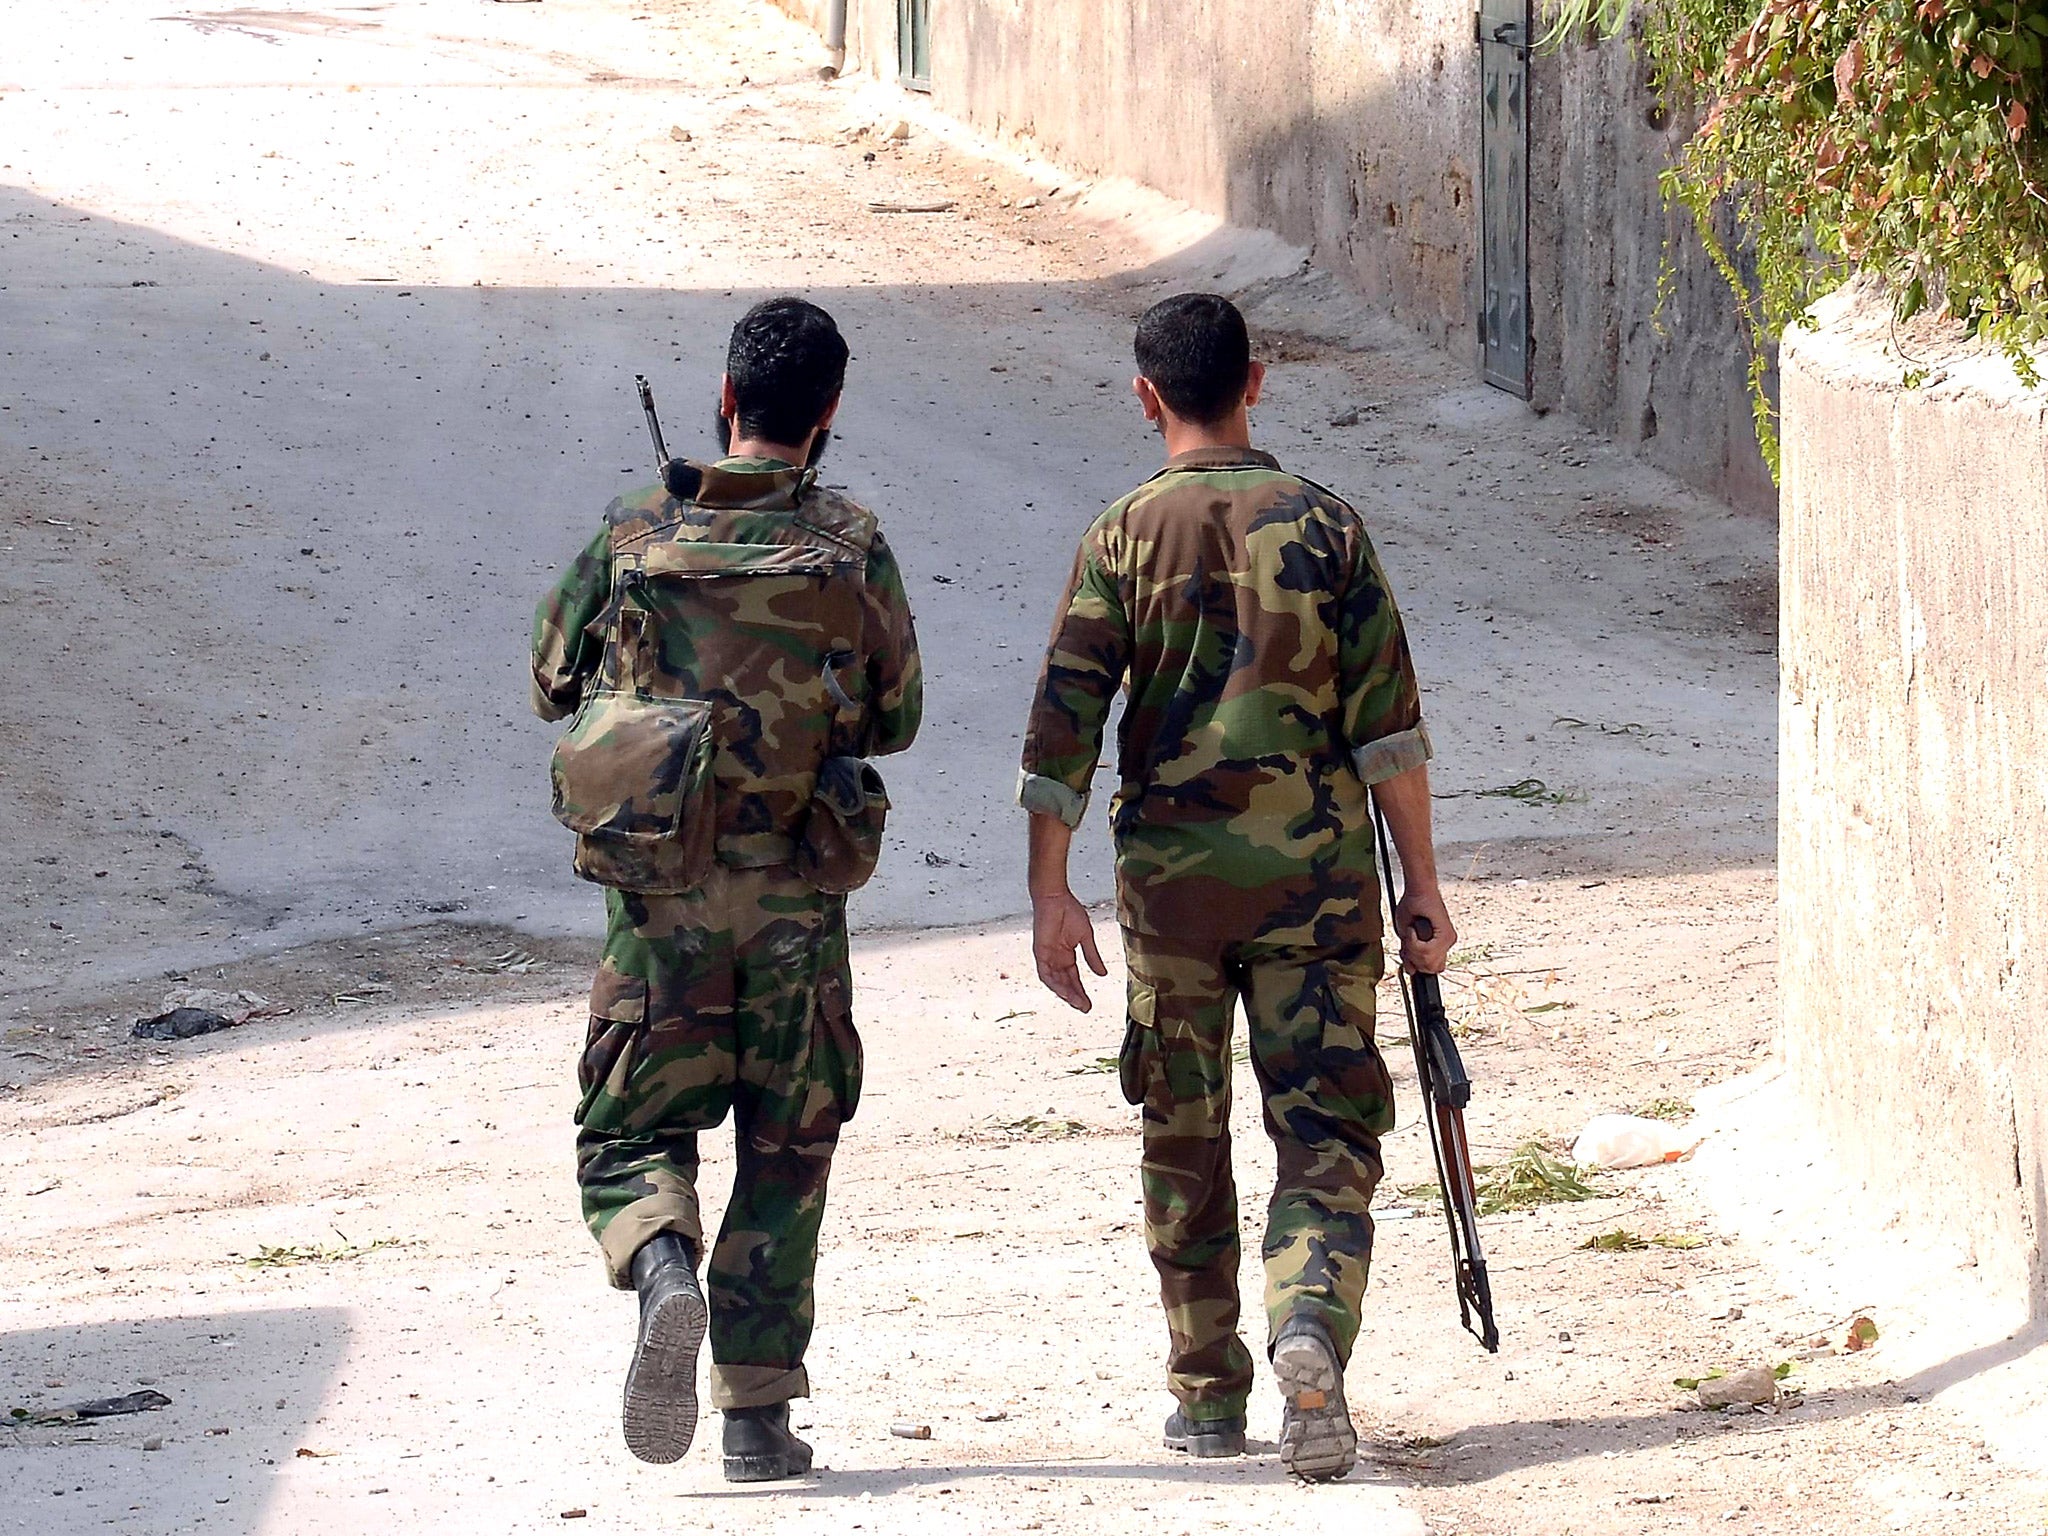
x=1196, y=351
x=787, y=363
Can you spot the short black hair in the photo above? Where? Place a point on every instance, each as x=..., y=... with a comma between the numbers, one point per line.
x=787, y=363
x=1195, y=350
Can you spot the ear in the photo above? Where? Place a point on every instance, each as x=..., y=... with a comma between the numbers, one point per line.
x=1148, y=399
x=728, y=402
x=1254, y=382
x=832, y=410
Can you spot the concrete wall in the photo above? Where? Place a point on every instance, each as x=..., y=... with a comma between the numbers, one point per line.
x=1913, y=850
x=1673, y=381
x=1351, y=127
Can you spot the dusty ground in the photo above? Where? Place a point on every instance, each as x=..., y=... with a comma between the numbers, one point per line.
x=265, y=718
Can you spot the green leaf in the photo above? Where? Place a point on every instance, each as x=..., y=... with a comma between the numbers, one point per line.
x=1620, y=1240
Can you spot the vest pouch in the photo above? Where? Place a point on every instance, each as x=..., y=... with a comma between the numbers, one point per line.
x=633, y=780
x=842, y=836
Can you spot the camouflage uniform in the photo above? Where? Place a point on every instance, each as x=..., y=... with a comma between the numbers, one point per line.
x=733, y=993
x=1270, y=685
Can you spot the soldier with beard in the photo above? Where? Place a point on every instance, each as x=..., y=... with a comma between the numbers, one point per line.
x=733, y=645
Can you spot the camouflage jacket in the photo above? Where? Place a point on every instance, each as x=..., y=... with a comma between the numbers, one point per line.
x=742, y=645
x=1270, y=684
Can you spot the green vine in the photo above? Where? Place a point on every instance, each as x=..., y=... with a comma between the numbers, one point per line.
x=1903, y=138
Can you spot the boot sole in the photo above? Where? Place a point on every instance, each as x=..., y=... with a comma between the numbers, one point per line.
x=1317, y=1441
x=1209, y=1446
x=765, y=1469
x=660, y=1416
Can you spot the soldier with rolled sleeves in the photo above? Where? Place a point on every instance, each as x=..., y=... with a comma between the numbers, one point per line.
x=1271, y=698
x=733, y=645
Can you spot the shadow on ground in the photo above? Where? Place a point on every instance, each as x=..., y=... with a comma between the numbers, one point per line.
x=245, y=1388
x=301, y=709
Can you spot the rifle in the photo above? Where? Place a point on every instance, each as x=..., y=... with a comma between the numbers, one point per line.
x=1446, y=1090
x=653, y=423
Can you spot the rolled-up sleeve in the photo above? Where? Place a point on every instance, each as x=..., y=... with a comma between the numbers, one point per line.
x=1084, y=667
x=1382, y=705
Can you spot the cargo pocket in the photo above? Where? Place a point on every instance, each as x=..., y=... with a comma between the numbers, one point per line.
x=632, y=778
x=611, y=1049
x=1351, y=1075
x=842, y=835
x=832, y=1092
x=1140, y=1054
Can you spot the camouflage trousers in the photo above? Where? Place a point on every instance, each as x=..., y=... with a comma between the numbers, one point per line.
x=1327, y=1100
x=734, y=997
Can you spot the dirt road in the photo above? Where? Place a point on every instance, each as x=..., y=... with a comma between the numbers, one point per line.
x=315, y=335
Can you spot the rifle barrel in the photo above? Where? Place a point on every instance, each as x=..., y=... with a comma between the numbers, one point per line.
x=653, y=421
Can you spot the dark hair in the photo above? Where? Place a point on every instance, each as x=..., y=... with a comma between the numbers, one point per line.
x=787, y=363
x=1194, y=349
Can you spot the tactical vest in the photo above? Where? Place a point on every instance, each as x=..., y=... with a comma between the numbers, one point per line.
x=727, y=718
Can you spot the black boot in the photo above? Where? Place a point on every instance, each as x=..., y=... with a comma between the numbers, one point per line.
x=759, y=1447
x=1205, y=1437
x=1317, y=1441
x=661, y=1383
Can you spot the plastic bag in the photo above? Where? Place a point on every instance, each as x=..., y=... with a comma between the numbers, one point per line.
x=1628, y=1141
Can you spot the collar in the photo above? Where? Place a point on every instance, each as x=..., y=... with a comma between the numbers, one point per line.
x=1223, y=458
x=745, y=484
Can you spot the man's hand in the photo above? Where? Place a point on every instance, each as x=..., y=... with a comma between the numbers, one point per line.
x=1423, y=924
x=1059, y=926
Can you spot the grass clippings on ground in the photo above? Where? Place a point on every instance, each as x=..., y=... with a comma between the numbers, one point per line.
x=271, y=1256
x=1530, y=792
x=1621, y=1240
x=1666, y=1108
x=1531, y=1176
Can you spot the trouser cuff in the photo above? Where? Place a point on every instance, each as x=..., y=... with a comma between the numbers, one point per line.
x=756, y=1386
x=1209, y=1410
x=670, y=1211
x=1336, y=1320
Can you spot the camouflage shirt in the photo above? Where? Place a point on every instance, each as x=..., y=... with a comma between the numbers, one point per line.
x=745, y=645
x=1270, y=684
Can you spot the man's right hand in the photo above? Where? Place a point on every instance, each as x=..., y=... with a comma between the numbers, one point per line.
x=1422, y=923
x=1060, y=926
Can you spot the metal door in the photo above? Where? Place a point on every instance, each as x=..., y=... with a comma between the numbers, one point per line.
x=1504, y=27
x=914, y=43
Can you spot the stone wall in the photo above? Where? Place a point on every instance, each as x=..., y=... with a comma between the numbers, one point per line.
x=1913, y=830
x=1351, y=127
